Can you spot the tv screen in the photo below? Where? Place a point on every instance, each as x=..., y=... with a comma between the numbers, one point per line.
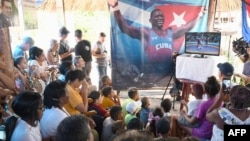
x=202, y=43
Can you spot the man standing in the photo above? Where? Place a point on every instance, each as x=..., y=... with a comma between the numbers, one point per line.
x=20, y=50
x=65, y=51
x=5, y=16
x=83, y=49
x=100, y=53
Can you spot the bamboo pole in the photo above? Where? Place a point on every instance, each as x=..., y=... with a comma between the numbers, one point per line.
x=211, y=15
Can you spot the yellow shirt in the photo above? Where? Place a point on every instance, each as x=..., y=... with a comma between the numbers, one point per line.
x=74, y=100
x=107, y=103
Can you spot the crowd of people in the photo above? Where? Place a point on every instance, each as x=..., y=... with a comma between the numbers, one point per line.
x=55, y=99
x=71, y=109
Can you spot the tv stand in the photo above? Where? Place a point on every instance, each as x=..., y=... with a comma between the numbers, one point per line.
x=200, y=56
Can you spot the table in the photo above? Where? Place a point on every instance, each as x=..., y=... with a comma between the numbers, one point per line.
x=190, y=70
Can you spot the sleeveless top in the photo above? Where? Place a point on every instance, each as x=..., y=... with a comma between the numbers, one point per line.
x=160, y=47
x=230, y=119
x=55, y=56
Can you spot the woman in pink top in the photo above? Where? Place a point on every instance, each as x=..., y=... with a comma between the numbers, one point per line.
x=204, y=130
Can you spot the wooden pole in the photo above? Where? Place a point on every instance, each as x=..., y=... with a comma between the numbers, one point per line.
x=60, y=9
x=211, y=15
x=64, y=18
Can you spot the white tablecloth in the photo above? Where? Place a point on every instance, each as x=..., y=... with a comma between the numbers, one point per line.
x=197, y=69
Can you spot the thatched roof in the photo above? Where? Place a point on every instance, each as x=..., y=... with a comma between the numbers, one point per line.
x=75, y=5
x=91, y=5
x=228, y=5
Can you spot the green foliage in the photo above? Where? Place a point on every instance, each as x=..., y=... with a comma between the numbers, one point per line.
x=91, y=23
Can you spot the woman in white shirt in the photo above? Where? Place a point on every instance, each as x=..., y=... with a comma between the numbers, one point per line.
x=55, y=97
x=37, y=68
x=37, y=63
x=25, y=126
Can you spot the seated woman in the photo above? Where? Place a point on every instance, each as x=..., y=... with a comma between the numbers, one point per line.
x=52, y=54
x=237, y=114
x=29, y=108
x=37, y=68
x=78, y=97
x=37, y=63
x=55, y=97
x=204, y=130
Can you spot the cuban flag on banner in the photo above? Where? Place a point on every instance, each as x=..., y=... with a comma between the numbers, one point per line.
x=177, y=15
x=246, y=20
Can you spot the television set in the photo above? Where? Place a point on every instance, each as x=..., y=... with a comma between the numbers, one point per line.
x=202, y=43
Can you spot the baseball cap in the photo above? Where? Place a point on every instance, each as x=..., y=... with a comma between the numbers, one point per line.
x=133, y=106
x=226, y=68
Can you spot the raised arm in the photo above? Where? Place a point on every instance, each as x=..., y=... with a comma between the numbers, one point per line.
x=178, y=32
x=217, y=104
x=124, y=27
x=132, y=31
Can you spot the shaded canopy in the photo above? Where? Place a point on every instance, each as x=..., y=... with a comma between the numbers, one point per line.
x=228, y=5
x=91, y=5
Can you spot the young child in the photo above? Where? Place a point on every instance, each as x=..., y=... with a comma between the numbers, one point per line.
x=132, y=108
x=105, y=81
x=95, y=105
x=110, y=98
x=101, y=113
x=117, y=128
x=153, y=118
x=145, y=110
x=21, y=77
x=197, y=91
x=166, y=107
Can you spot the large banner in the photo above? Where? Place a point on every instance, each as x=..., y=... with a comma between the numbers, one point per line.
x=146, y=33
x=246, y=20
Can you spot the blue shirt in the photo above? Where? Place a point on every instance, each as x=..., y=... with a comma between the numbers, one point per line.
x=19, y=52
x=144, y=115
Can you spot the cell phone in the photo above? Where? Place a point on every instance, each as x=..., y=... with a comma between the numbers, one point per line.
x=2, y=133
x=226, y=85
